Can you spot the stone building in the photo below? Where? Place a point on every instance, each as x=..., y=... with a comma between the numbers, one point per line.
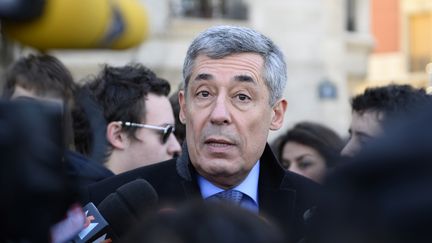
x=326, y=43
x=403, y=37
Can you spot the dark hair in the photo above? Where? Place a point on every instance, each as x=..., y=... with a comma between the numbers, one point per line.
x=220, y=41
x=319, y=137
x=391, y=100
x=120, y=92
x=205, y=222
x=43, y=74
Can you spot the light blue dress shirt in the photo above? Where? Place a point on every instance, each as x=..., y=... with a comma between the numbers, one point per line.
x=249, y=187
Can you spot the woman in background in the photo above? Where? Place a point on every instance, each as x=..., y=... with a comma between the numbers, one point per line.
x=309, y=149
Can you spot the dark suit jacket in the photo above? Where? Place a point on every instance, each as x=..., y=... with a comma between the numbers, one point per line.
x=282, y=196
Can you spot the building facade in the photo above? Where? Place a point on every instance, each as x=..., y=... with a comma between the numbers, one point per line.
x=326, y=43
x=402, y=50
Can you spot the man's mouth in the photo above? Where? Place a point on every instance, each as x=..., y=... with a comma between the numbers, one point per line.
x=217, y=142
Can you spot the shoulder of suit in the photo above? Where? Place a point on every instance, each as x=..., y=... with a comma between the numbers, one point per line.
x=293, y=180
x=157, y=167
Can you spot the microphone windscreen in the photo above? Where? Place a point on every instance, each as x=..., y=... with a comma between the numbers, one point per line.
x=78, y=24
x=124, y=208
x=138, y=195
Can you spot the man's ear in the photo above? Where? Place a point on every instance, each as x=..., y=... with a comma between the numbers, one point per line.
x=182, y=102
x=115, y=136
x=278, y=114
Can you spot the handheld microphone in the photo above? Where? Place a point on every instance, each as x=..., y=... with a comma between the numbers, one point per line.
x=116, y=214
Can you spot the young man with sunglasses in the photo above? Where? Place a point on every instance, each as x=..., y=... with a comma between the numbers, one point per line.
x=140, y=120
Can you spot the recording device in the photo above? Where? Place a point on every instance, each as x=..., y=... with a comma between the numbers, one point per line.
x=67, y=24
x=96, y=227
x=35, y=189
x=118, y=212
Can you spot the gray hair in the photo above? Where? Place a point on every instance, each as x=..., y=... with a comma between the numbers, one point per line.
x=221, y=41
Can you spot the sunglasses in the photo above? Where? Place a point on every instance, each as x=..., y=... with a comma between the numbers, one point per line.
x=165, y=131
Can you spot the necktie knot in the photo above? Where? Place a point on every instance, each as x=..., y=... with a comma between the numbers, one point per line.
x=232, y=196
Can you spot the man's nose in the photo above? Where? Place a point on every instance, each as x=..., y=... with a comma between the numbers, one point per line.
x=350, y=149
x=174, y=147
x=220, y=114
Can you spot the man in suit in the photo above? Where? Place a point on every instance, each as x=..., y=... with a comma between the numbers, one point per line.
x=234, y=79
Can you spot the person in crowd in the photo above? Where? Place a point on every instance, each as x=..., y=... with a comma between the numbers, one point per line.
x=375, y=108
x=234, y=78
x=44, y=78
x=309, y=149
x=383, y=194
x=138, y=114
x=218, y=223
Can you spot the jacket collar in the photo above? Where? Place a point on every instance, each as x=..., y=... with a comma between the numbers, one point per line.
x=183, y=165
x=277, y=194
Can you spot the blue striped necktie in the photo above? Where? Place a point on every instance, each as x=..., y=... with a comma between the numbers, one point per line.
x=232, y=196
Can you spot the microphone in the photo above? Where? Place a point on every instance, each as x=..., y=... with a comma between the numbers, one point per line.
x=118, y=212
x=78, y=24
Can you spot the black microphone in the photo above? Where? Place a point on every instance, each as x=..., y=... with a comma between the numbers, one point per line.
x=118, y=212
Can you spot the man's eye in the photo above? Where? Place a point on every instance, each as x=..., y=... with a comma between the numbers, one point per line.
x=243, y=97
x=203, y=94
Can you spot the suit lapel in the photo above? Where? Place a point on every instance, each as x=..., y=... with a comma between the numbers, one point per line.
x=191, y=190
x=278, y=205
x=276, y=199
x=188, y=175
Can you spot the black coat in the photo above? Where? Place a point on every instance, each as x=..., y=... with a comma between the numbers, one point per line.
x=84, y=170
x=282, y=196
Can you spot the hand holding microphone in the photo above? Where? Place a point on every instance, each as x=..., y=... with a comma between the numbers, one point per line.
x=116, y=214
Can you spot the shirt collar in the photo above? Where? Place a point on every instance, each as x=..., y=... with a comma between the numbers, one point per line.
x=249, y=185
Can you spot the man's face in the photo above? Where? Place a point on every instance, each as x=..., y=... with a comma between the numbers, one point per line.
x=364, y=127
x=228, y=116
x=148, y=147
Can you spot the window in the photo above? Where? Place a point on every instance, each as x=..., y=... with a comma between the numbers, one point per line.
x=229, y=9
x=420, y=39
x=351, y=16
